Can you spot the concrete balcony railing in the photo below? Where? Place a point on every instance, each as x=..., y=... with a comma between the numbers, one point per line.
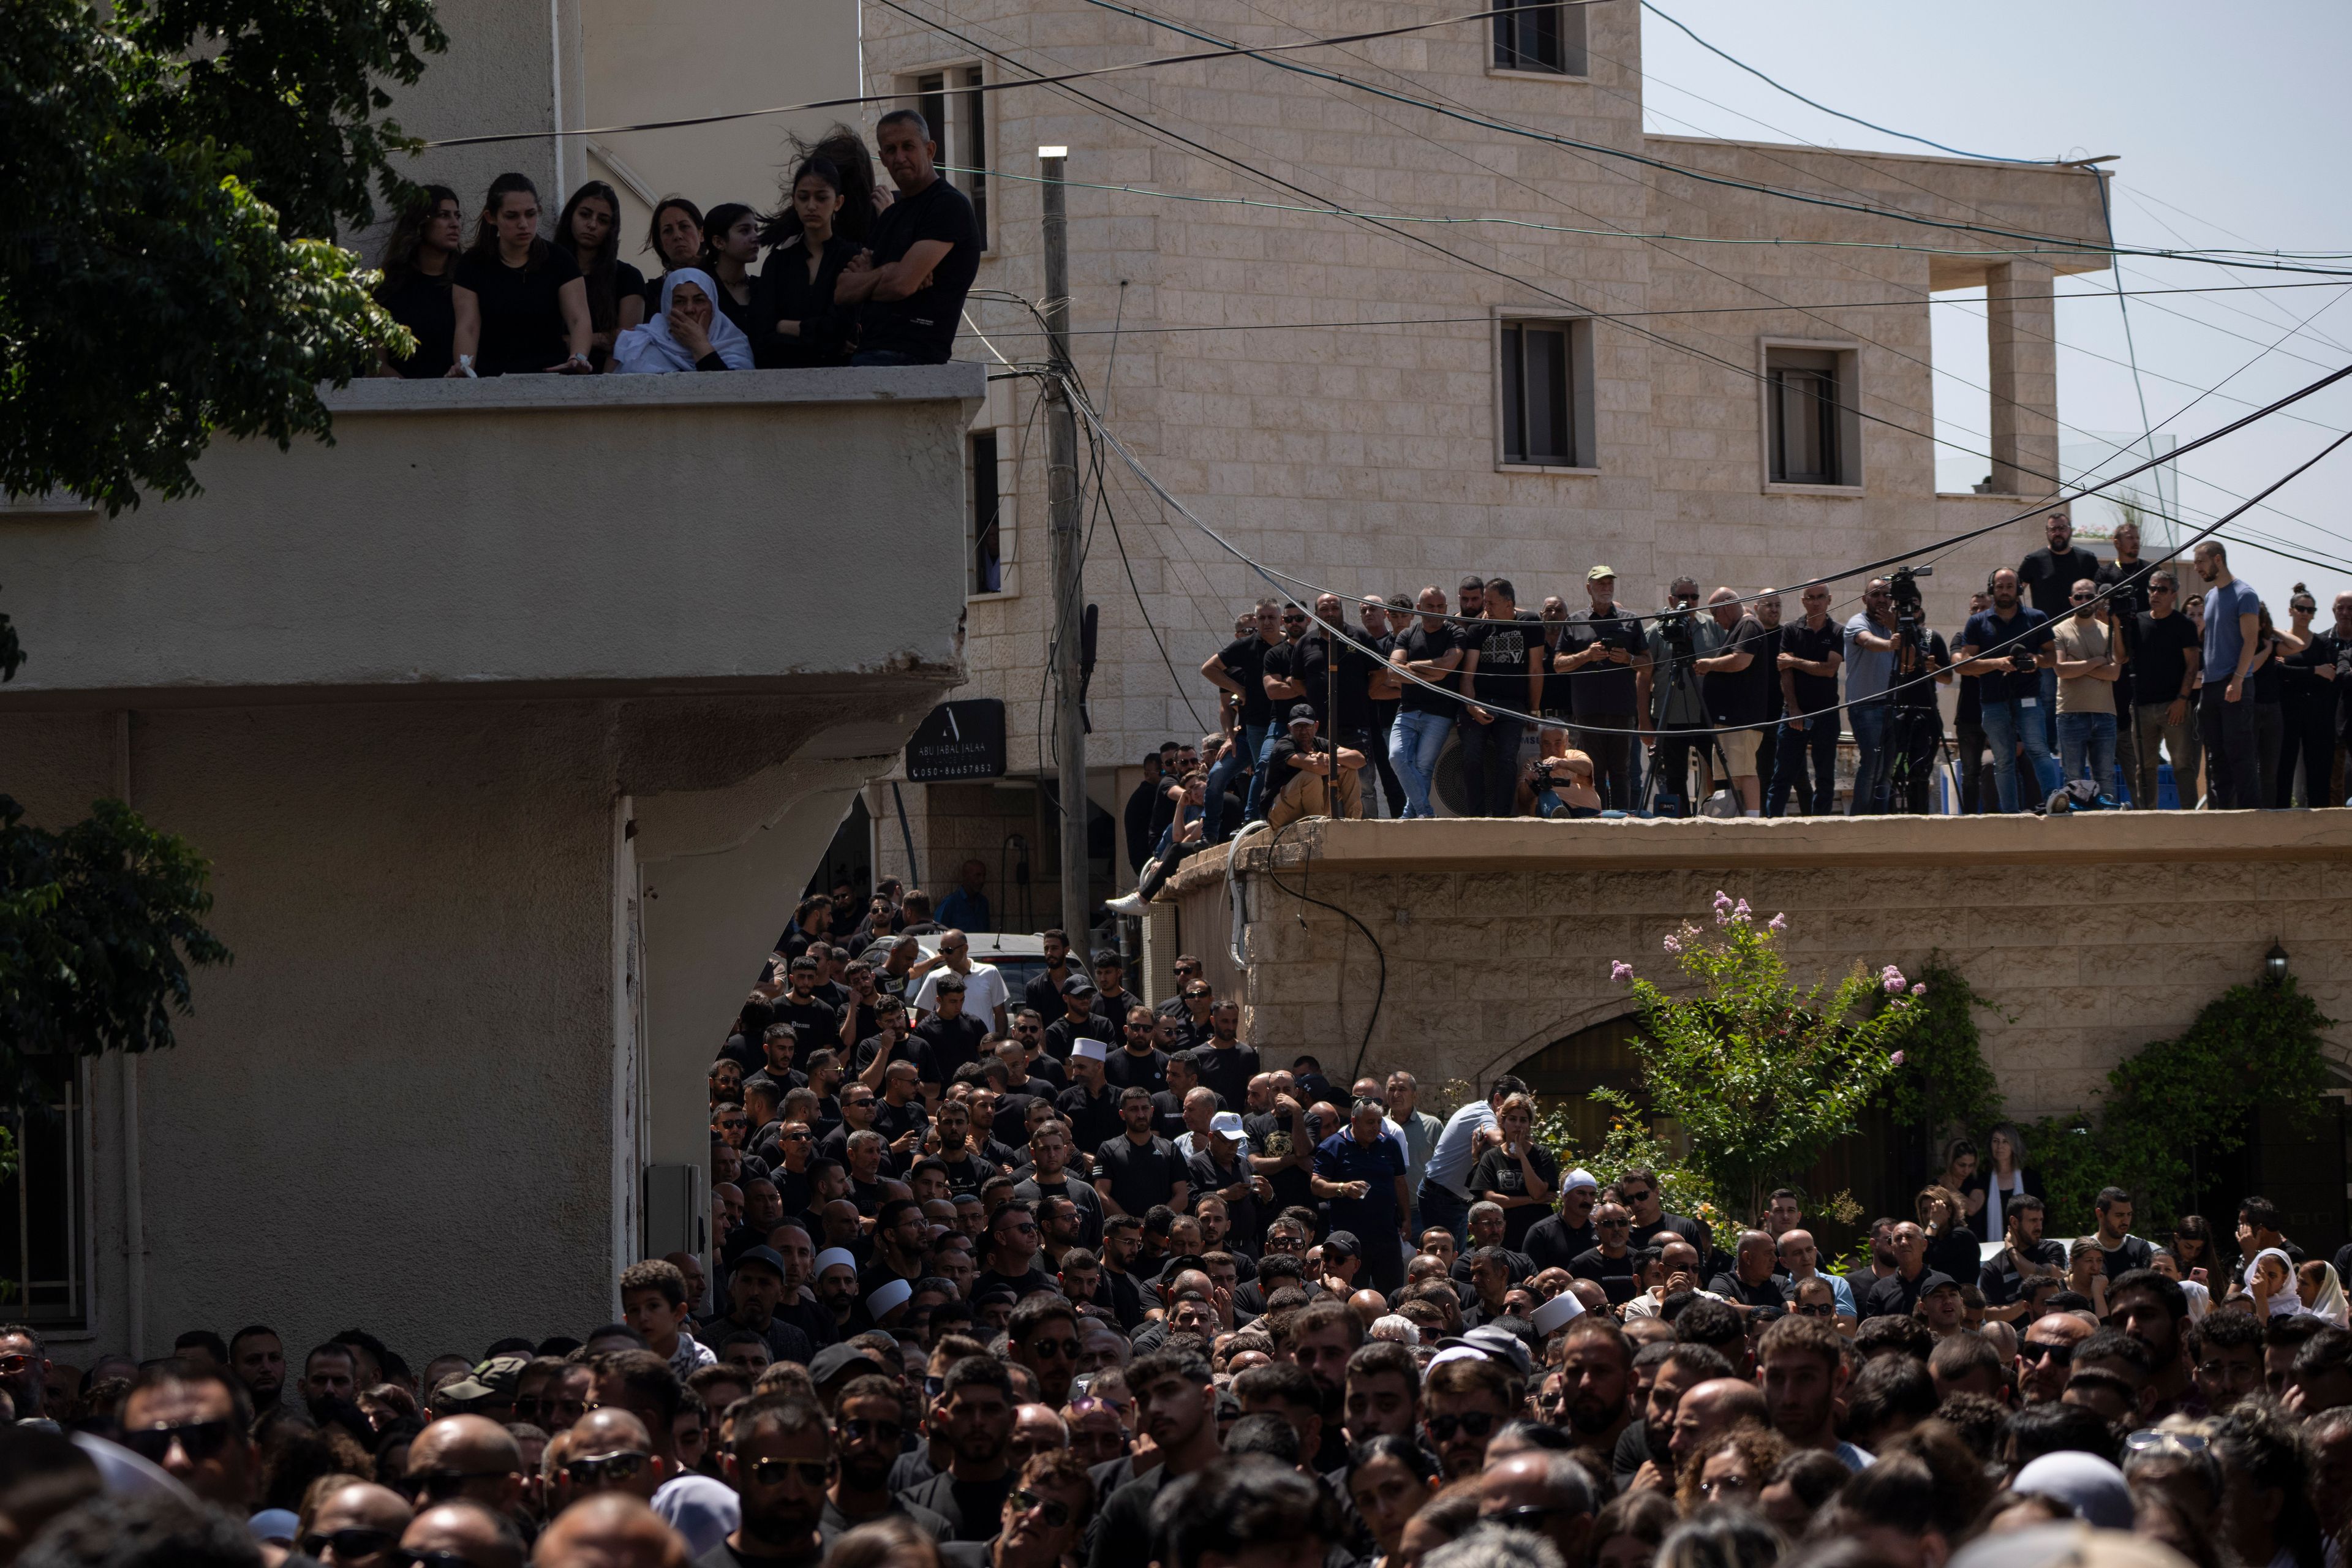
x=530, y=534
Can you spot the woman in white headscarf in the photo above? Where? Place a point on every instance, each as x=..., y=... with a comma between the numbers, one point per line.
x=688, y=333
x=2270, y=1282
x=2322, y=1291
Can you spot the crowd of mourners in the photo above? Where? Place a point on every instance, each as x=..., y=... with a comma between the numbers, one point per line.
x=1053, y=1278
x=855, y=273
x=2084, y=683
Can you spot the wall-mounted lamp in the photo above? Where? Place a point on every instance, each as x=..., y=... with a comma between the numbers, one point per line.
x=2274, y=964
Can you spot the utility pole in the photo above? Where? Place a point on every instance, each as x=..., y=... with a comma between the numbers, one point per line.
x=1069, y=588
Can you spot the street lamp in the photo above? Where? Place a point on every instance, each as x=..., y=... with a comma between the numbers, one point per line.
x=2274, y=964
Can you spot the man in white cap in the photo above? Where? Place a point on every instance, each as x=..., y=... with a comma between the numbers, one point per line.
x=1089, y=1105
x=836, y=1291
x=887, y=1302
x=1219, y=1167
x=1554, y=1241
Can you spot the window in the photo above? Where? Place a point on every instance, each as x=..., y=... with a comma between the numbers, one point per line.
x=1547, y=395
x=984, y=535
x=41, y=1271
x=1541, y=37
x=1812, y=435
x=957, y=112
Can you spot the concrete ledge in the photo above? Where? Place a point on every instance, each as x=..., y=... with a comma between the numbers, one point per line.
x=964, y=380
x=1631, y=844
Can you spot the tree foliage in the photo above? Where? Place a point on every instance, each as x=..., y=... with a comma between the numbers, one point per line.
x=175, y=170
x=99, y=928
x=1763, y=1074
x=1944, y=1080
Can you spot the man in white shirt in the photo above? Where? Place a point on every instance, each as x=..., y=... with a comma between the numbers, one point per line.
x=984, y=994
x=1444, y=1198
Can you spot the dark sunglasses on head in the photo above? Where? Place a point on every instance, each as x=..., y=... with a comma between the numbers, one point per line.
x=772, y=1473
x=1057, y=1514
x=607, y=1469
x=1476, y=1423
x=200, y=1440
x=350, y=1544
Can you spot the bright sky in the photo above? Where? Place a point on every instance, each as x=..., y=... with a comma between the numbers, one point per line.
x=2230, y=131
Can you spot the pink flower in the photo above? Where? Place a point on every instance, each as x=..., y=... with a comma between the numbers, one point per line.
x=1892, y=978
x=1620, y=971
x=1673, y=944
x=1896, y=1061
x=1920, y=989
x=1739, y=910
x=1722, y=899
x=1778, y=923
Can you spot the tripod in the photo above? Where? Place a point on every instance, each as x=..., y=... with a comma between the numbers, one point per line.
x=1681, y=682
x=1905, y=765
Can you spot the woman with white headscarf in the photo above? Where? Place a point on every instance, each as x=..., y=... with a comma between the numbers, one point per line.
x=2322, y=1291
x=687, y=333
x=2270, y=1282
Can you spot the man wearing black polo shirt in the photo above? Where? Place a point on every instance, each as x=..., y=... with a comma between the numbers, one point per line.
x=2005, y=1281
x=1737, y=683
x=1239, y=667
x=1556, y=1240
x=1089, y=1105
x=1900, y=1291
x=953, y=1036
x=1601, y=651
x=1138, y=1170
x=1226, y=1065
x=1503, y=660
x=1812, y=650
x=1431, y=649
x=2046, y=578
x=1044, y=991
x=815, y=1023
x=2008, y=648
x=1748, y=1284
x=2166, y=656
x=1638, y=1185
x=925, y=253
x=1079, y=1021
x=1137, y=1064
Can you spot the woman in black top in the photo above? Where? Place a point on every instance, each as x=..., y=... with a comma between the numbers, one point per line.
x=2310, y=708
x=1519, y=1174
x=589, y=232
x=1952, y=1245
x=800, y=324
x=521, y=305
x=675, y=237
x=2269, y=694
x=419, y=260
x=731, y=243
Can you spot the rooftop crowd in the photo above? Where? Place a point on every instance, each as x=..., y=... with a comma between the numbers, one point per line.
x=2078, y=678
x=1058, y=1279
x=855, y=273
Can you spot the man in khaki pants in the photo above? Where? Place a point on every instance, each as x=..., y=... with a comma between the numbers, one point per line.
x=1300, y=776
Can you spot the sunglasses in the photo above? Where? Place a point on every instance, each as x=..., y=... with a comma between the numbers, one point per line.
x=200, y=1440
x=1640, y=1197
x=1057, y=1514
x=1611, y=1223
x=350, y=1544
x=2057, y=1355
x=772, y=1473
x=1476, y=1423
x=1067, y=1350
x=11, y=1365
x=880, y=1431
x=607, y=1469
x=1818, y=1310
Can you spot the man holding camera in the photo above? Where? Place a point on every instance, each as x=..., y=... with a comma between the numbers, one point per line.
x=2006, y=647
x=1910, y=757
x=1674, y=708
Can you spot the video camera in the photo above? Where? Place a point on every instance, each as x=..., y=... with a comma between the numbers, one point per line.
x=1904, y=587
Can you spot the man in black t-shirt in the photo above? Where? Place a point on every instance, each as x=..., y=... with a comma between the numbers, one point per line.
x=1503, y=658
x=2045, y=579
x=1432, y=649
x=1600, y=652
x=816, y=1026
x=953, y=1036
x=925, y=252
x=1239, y=667
x=2166, y=653
x=1138, y=1170
x=1812, y=647
x=1304, y=780
x=1735, y=682
x=1378, y=619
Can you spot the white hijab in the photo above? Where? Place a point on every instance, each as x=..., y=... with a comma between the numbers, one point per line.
x=650, y=350
x=2287, y=1302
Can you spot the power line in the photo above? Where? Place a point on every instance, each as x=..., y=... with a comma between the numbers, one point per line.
x=1824, y=107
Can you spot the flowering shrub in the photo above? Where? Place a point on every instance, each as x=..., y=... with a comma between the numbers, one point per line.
x=1763, y=1074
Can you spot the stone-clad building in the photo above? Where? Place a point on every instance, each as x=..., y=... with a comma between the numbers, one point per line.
x=1385, y=458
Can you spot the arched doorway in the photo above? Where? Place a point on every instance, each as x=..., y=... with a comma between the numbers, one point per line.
x=1563, y=1075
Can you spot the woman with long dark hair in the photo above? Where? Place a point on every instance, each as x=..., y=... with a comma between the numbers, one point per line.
x=845, y=149
x=792, y=302
x=731, y=243
x=420, y=259
x=675, y=238
x=589, y=231
x=521, y=305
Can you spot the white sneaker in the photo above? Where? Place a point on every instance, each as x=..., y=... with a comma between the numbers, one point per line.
x=1130, y=904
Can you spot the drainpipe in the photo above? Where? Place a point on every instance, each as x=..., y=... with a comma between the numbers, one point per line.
x=134, y=1210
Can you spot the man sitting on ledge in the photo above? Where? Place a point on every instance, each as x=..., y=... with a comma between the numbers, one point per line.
x=1302, y=777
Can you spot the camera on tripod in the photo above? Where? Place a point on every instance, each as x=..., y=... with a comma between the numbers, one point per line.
x=1675, y=626
x=1904, y=586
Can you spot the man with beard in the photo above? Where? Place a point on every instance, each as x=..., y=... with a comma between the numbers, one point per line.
x=868, y=1422
x=1383, y=1397
x=1464, y=1401
x=1596, y=1374
x=1324, y=1336
x=2154, y=1311
x=755, y=1287
x=1176, y=1406
x=1804, y=1376
x=1049, y=1155
x=2227, y=1351
x=975, y=1413
x=779, y=1461
x=1641, y=1452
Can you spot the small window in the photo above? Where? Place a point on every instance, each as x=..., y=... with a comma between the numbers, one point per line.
x=1812, y=433
x=951, y=103
x=986, y=538
x=1547, y=391
x=42, y=1282
x=1540, y=37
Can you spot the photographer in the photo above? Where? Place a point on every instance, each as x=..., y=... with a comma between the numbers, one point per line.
x=1909, y=756
x=1674, y=708
x=1559, y=786
x=2007, y=647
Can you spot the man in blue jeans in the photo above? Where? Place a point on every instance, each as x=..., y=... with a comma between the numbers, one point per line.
x=2007, y=647
x=2225, y=709
x=2089, y=661
x=1869, y=658
x=1432, y=649
x=1444, y=1194
x=1239, y=667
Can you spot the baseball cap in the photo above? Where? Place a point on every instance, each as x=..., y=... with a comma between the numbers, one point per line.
x=1228, y=1122
x=1496, y=1344
x=835, y=1360
x=1342, y=1244
x=492, y=1379
x=1077, y=986
x=766, y=1258
x=1598, y=573
x=1302, y=714
x=1931, y=1282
